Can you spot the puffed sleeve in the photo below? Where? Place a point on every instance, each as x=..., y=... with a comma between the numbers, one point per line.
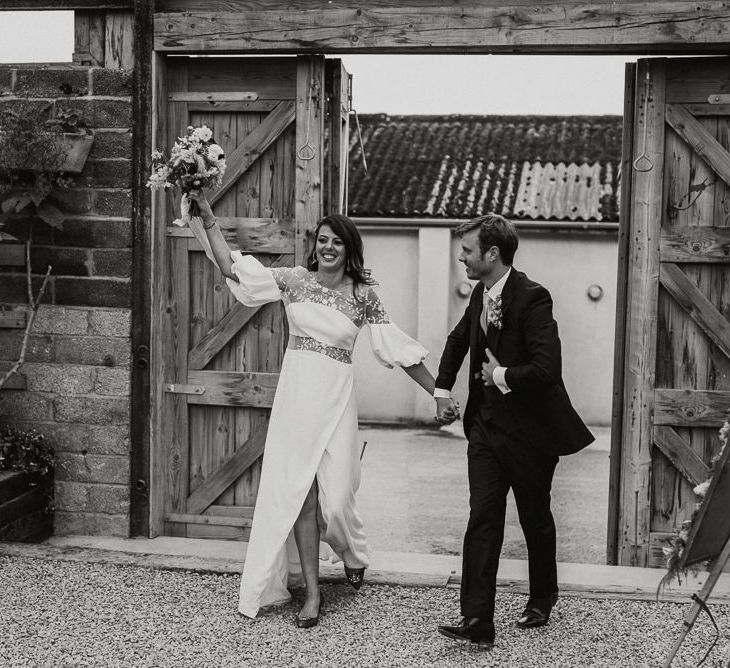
x=391, y=345
x=256, y=284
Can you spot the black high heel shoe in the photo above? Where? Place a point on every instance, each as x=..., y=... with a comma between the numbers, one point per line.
x=355, y=576
x=309, y=622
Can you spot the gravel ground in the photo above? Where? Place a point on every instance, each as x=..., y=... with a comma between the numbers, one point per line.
x=56, y=613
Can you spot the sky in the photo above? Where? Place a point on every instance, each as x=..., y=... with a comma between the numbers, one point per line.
x=403, y=84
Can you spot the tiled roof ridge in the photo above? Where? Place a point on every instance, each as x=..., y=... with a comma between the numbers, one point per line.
x=483, y=117
x=461, y=165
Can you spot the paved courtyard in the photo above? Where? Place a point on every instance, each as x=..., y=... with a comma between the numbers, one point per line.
x=414, y=495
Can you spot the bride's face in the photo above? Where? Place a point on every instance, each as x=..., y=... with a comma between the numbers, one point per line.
x=330, y=250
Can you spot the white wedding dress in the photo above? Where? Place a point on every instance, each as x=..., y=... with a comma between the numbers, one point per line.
x=313, y=426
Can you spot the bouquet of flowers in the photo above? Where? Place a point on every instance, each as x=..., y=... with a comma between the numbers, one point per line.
x=195, y=162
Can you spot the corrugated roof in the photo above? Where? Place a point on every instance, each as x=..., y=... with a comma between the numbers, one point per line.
x=524, y=167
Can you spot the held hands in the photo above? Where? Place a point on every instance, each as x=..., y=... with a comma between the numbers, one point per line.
x=488, y=368
x=447, y=410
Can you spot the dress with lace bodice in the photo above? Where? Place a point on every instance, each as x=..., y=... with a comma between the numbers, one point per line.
x=313, y=425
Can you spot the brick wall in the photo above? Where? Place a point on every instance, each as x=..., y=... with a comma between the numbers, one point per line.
x=77, y=370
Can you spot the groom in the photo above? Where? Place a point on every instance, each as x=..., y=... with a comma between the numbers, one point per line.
x=518, y=420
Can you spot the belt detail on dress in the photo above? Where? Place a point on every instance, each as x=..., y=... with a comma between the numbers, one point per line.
x=307, y=343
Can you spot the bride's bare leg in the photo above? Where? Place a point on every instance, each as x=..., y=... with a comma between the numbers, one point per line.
x=306, y=534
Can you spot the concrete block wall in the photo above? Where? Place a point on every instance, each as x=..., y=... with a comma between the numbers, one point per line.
x=77, y=370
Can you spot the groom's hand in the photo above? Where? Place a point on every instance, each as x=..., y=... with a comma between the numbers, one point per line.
x=446, y=410
x=488, y=368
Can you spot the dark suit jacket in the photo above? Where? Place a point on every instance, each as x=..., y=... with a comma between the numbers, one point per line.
x=538, y=407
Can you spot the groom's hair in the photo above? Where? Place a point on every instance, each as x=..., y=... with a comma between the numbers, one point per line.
x=494, y=230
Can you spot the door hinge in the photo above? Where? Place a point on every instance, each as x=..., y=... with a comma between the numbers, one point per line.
x=177, y=388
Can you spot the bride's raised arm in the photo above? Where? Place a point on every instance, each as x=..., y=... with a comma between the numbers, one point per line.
x=218, y=245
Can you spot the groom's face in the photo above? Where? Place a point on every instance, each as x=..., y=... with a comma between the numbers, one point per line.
x=477, y=265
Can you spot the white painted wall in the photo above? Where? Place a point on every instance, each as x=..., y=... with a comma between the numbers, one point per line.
x=419, y=274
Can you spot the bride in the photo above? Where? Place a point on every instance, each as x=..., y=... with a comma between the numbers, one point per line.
x=311, y=464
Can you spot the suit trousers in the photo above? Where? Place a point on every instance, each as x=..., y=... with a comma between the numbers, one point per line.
x=498, y=461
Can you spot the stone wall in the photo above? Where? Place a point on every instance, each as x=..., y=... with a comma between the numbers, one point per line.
x=77, y=370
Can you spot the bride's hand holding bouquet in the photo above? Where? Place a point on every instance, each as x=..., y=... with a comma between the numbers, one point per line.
x=195, y=203
x=195, y=162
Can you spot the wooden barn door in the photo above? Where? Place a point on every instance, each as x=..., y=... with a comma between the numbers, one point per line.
x=217, y=360
x=676, y=388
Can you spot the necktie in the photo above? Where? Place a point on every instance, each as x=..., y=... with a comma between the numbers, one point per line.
x=489, y=305
x=485, y=309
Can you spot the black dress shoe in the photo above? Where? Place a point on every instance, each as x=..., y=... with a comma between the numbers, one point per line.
x=471, y=629
x=355, y=576
x=537, y=612
x=309, y=622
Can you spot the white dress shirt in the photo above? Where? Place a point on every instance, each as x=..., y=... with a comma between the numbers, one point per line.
x=498, y=374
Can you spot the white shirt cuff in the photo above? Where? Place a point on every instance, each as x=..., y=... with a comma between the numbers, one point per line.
x=440, y=393
x=499, y=381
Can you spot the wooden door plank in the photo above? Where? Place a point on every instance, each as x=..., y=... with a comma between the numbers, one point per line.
x=266, y=181
x=271, y=78
x=118, y=40
x=248, y=203
x=701, y=141
x=213, y=520
x=683, y=346
x=254, y=145
x=337, y=84
x=266, y=235
x=231, y=511
x=213, y=96
x=202, y=318
x=719, y=282
x=234, y=107
x=89, y=37
x=221, y=418
x=701, y=109
x=235, y=223
x=619, y=352
x=227, y=474
x=309, y=152
x=227, y=328
x=175, y=342
x=158, y=324
x=706, y=244
x=646, y=215
x=678, y=451
x=176, y=345
x=669, y=493
x=697, y=306
x=231, y=26
x=233, y=388
x=696, y=408
x=696, y=80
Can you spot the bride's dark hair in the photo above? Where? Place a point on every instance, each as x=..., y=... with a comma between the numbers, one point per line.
x=344, y=228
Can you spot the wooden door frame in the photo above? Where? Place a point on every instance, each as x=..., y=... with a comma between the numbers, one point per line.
x=308, y=206
x=674, y=27
x=647, y=416
x=435, y=26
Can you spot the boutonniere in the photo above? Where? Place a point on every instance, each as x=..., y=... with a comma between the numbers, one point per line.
x=494, y=311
